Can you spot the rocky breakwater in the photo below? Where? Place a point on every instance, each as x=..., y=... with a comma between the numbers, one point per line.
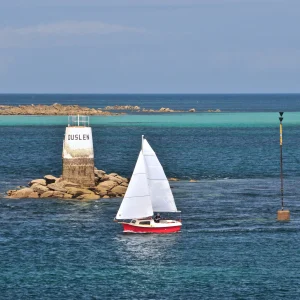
x=107, y=186
x=52, y=110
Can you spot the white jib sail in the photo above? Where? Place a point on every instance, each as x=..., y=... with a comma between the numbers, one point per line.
x=137, y=203
x=160, y=192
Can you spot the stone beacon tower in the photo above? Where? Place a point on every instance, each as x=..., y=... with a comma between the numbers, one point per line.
x=78, y=152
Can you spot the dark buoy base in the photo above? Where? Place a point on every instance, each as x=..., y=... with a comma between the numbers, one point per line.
x=283, y=215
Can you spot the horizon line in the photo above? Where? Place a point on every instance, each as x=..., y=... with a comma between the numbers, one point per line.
x=82, y=93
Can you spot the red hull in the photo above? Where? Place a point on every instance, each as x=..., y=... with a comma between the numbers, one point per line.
x=169, y=229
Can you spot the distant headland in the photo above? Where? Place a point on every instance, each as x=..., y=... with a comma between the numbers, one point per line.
x=64, y=110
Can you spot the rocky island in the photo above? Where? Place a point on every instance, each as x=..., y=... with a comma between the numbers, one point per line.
x=57, y=109
x=106, y=186
x=139, y=109
x=52, y=110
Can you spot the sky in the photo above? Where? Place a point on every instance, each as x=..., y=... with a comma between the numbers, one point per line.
x=149, y=46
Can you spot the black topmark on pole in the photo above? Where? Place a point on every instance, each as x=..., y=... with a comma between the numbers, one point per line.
x=281, y=167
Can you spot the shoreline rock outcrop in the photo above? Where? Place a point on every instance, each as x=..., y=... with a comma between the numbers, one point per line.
x=173, y=179
x=193, y=180
x=106, y=186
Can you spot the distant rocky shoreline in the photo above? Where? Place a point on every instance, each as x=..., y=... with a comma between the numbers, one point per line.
x=139, y=109
x=106, y=186
x=52, y=110
x=161, y=110
x=57, y=109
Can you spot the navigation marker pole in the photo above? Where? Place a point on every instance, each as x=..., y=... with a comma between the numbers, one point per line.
x=282, y=215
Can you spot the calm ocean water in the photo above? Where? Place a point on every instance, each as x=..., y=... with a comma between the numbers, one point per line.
x=227, y=102
x=230, y=246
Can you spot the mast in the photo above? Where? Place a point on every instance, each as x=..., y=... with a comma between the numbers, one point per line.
x=142, y=142
x=283, y=214
x=281, y=166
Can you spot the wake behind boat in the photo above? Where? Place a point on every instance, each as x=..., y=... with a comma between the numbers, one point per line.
x=148, y=191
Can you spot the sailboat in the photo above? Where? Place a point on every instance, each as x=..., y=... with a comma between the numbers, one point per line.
x=148, y=192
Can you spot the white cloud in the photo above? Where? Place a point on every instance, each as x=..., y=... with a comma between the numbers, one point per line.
x=58, y=33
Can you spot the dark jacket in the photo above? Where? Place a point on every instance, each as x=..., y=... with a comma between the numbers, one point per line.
x=156, y=219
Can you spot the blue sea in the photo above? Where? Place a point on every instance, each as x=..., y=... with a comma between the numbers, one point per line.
x=230, y=246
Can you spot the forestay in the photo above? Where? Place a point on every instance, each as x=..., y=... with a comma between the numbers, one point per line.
x=160, y=192
x=137, y=203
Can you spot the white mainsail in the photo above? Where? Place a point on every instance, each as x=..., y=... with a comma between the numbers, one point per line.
x=137, y=203
x=160, y=192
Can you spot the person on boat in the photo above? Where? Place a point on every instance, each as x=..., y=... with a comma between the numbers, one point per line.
x=157, y=218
